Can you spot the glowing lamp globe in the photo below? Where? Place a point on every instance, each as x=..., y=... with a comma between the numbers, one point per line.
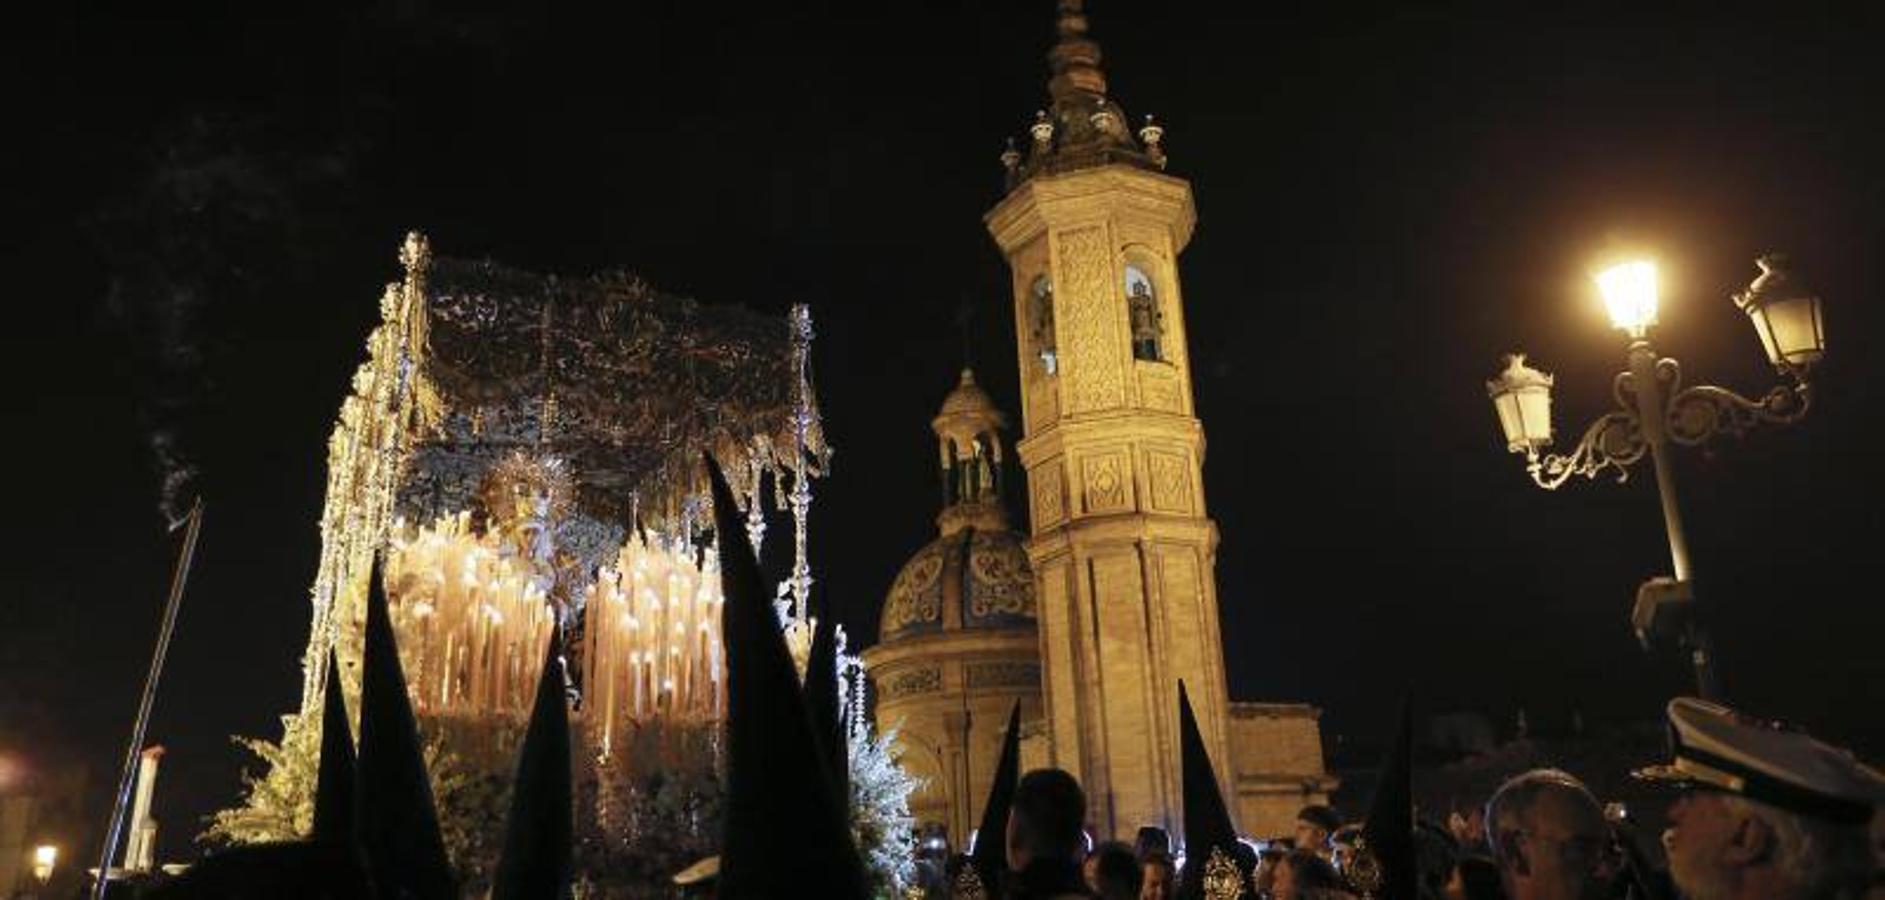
x=45, y=857
x=1785, y=314
x=1521, y=395
x=1629, y=291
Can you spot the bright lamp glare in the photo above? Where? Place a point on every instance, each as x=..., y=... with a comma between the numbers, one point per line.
x=1630, y=295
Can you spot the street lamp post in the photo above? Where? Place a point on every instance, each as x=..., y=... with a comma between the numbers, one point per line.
x=1655, y=411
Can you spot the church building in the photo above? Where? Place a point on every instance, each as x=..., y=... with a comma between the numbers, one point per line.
x=1093, y=618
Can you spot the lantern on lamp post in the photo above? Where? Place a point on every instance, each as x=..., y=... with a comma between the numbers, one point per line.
x=1522, y=397
x=45, y=857
x=1785, y=314
x=1654, y=411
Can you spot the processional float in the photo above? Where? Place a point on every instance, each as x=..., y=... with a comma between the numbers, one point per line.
x=527, y=452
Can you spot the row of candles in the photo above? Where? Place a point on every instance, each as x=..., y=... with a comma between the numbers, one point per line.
x=473, y=617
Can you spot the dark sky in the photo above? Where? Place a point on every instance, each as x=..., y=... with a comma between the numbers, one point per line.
x=1387, y=202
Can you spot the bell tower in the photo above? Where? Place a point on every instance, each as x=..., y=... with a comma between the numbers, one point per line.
x=1122, y=549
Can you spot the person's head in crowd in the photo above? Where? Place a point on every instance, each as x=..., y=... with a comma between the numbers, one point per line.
x=1152, y=839
x=1342, y=846
x=1549, y=838
x=1264, y=878
x=1473, y=878
x=1302, y=875
x=1158, y=877
x=1314, y=825
x=932, y=841
x=1766, y=810
x=1245, y=856
x=1722, y=847
x=1044, y=821
x=1112, y=872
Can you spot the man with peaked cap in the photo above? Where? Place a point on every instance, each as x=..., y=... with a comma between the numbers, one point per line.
x=1765, y=811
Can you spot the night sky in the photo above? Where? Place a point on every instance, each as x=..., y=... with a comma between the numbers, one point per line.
x=1386, y=204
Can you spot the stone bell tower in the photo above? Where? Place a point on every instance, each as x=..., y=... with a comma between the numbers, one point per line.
x=1122, y=550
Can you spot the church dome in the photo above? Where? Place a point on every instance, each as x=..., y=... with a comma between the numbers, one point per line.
x=968, y=401
x=968, y=579
x=975, y=576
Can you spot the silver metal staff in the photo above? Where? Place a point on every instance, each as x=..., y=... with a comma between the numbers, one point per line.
x=193, y=525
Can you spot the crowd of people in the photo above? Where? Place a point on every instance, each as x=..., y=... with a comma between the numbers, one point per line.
x=1757, y=811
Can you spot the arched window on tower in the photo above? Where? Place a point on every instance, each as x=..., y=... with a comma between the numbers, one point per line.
x=1148, y=324
x=1041, y=323
x=973, y=471
x=952, y=467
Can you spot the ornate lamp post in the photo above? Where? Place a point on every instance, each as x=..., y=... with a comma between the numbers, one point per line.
x=1655, y=411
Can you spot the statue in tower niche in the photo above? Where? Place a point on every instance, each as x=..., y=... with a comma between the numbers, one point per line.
x=974, y=477
x=1147, y=323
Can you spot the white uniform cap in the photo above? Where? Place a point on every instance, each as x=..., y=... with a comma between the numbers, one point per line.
x=1717, y=748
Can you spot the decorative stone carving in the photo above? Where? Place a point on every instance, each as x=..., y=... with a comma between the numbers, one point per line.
x=1089, y=321
x=1043, y=405
x=1105, y=481
x=1004, y=674
x=1001, y=583
x=1158, y=387
x=916, y=597
x=1171, y=482
x=1048, y=490
x=910, y=683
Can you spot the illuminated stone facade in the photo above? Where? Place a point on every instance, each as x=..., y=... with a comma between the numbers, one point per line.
x=1276, y=758
x=1122, y=547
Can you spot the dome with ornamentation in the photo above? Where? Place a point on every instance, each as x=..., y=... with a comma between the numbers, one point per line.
x=969, y=403
x=976, y=574
x=969, y=579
